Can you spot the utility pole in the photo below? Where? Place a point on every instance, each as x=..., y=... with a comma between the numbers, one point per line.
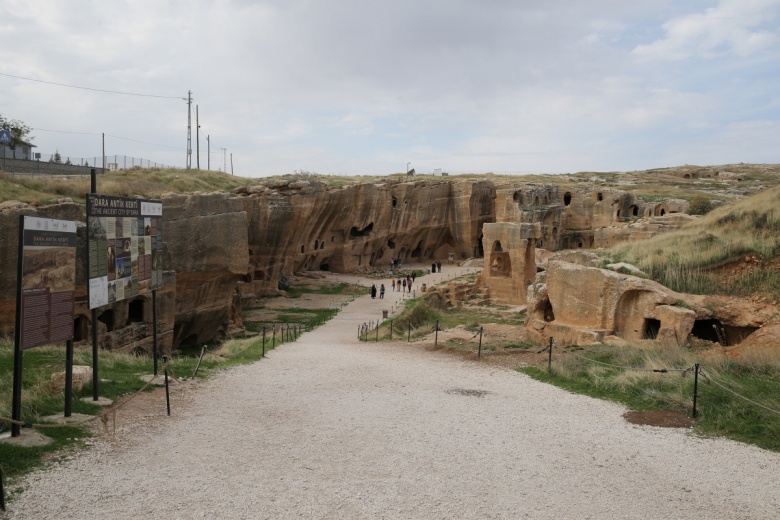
x=231, y=164
x=189, y=129
x=224, y=160
x=208, y=152
x=197, y=136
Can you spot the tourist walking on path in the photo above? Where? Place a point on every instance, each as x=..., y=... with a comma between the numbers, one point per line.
x=393, y=284
x=373, y=290
x=409, y=283
x=414, y=276
x=404, y=282
x=381, y=291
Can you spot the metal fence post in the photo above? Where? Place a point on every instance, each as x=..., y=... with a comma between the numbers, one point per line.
x=695, y=387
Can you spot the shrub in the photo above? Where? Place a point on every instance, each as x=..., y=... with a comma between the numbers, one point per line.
x=699, y=206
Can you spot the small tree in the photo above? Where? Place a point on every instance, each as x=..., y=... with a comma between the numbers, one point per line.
x=57, y=157
x=19, y=131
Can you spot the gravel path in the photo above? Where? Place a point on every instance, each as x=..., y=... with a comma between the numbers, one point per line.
x=328, y=427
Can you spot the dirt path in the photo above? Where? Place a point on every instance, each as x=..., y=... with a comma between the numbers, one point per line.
x=328, y=427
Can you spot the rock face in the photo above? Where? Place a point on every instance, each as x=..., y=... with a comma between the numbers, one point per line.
x=222, y=250
x=580, y=304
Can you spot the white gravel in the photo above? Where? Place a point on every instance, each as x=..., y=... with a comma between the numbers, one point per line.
x=329, y=427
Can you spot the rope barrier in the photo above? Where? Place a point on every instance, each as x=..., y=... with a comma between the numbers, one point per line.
x=657, y=370
x=720, y=385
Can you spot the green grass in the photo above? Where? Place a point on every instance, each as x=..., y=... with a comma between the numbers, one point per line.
x=719, y=412
x=334, y=290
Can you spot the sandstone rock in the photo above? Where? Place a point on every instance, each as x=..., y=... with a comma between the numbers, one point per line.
x=580, y=304
x=626, y=267
x=81, y=376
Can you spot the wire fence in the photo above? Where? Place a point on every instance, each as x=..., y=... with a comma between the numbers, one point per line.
x=62, y=165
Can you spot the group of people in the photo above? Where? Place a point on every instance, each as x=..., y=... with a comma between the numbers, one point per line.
x=381, y=291
x=403, y=284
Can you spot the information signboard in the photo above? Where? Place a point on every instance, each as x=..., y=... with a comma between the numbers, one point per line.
x=125, y=248
x=48, y=281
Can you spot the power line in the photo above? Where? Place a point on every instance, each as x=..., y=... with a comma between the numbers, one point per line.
x=92, y=89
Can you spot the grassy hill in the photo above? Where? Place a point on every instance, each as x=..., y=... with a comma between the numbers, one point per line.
x=733, y=250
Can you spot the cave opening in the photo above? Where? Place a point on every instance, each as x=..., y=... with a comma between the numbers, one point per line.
x=395, y=201
x=316, y=244
x=708, y=330
x=324, y=267
x=566, y=198
x=135, y=311
x=599, y=197
x=417, y=250
x=390, y=244
x=107, y=318
x=548, y=312
x=366, y=231
x=634, y=209
x=651, y=328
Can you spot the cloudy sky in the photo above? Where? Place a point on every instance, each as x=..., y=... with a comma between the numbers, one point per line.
x=366, y=86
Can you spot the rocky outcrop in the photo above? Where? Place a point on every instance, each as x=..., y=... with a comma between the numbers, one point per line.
x=580, y=304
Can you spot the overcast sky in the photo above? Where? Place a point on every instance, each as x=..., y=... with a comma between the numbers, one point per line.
x=366, y=86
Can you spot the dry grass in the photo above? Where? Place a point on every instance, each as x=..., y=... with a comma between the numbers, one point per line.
x=683, y=260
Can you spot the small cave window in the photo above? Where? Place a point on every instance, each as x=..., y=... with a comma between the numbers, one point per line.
x=497, y=247
x=536, y=200
x=651, y=329
x=634, y=209
x=566, y=198
x=107, y=318
x=517, y=197
x=366, y=231
x=316, y=244
x=322, y=244
x=333, y=238
x=579, y=244
x=303, y=248
x=599, y=197
x=663, y=212
x=395, y=201
x=390, y=244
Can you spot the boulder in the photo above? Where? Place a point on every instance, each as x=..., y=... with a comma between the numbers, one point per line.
x=82, y=375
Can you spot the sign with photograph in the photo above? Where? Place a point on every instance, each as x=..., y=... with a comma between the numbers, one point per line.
x=48, y=281
x=125, y=248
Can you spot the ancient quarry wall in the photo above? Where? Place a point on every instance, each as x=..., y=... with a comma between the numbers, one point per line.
x=222, y=250
x=357, y=228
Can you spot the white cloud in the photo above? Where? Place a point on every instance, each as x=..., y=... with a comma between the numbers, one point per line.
x=734, y=26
